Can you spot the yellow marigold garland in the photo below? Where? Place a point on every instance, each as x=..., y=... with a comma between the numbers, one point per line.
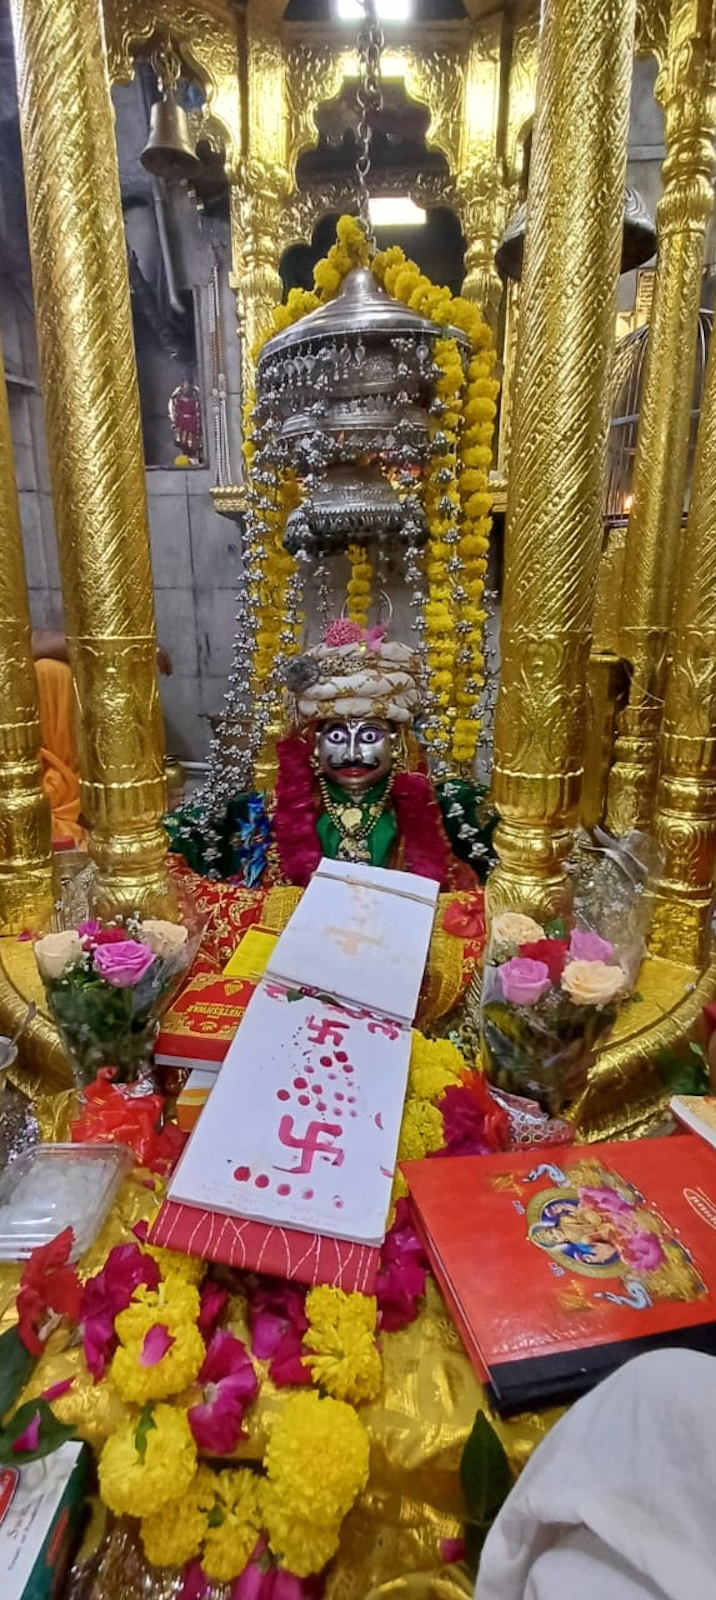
x=147, y=1462
x=174, y=1307
x=340, y=1344
x=467, y=461
x=317, y=1462
x=358, y=591
x=455, y=491
x=233, y=1524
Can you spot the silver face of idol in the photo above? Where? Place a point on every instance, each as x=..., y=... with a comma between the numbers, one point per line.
x=356, y=754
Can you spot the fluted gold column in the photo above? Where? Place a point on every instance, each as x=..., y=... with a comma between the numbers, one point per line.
x=91, y=399
x=553, y=533
x=25, y=860
x=257, y=201
x=686, y=87
x=481, y=196
x=685, y=823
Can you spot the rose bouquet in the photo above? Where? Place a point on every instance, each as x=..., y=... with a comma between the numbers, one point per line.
x=548, y=997
x=107, y=985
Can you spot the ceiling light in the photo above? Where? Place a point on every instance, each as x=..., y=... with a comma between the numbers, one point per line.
x=386, y=10
x=395, y=211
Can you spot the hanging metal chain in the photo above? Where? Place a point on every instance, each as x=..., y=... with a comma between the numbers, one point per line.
x=371, y=42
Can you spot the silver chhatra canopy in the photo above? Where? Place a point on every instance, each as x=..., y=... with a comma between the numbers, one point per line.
x=361, y=308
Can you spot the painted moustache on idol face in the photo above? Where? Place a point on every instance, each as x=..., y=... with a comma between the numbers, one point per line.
x=355, y=754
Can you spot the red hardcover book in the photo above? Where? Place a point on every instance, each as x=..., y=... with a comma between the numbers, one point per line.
x=278, y=1252
x=199, y=1027
x=558, y=1270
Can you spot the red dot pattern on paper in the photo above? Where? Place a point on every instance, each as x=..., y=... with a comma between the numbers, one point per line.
x=262, y=1182
x=284, y=1188
x=242, y=1174
x=283, y=1094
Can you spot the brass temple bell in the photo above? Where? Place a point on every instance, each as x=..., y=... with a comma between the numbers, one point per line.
x=169, y=152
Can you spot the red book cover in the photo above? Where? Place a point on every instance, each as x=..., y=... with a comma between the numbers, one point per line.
x=558, y=1270
x=277, y=1252
x=199, y=1027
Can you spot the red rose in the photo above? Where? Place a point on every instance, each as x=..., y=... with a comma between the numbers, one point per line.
x=553, y=952
x=110, y=936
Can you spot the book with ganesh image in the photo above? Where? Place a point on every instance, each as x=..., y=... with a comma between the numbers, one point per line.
x=558, y=1271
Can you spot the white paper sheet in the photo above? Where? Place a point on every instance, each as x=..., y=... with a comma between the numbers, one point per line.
x=301, y=1129
x=362, y=935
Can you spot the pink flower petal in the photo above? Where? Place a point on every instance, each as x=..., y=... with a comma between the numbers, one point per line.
x=452, y=1549
x=56, y=1389
x=287, y=1367
x=266, y=1330
x=157, y=1341
x=213, y=1302
x=250, y=1583
x=196, y=1584
x=226, y=1357
x=30, y=1439
x=230, y=1385
x=107, y=1293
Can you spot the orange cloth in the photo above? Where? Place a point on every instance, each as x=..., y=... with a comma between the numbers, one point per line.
x=60, y=772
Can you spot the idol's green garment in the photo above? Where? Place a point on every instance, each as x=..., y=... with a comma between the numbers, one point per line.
x=383, y=835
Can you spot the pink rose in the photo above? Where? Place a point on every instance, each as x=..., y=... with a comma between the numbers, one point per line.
x=524, y=981
x=589, y=947
x=123, y=963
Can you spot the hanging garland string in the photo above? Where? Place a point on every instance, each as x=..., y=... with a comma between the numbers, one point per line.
x=358, y=591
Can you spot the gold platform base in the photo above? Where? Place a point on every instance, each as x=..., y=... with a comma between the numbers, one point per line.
x=626, y=1097
x=43, y=1065
x=628, y=1092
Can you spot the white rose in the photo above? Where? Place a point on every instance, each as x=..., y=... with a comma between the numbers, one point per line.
x=511, y=927
x=56, y=952
x=166, y=939
x=593, y=983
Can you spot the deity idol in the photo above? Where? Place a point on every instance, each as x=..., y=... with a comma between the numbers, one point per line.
x=345, y=789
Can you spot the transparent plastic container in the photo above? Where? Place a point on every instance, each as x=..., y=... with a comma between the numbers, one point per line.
x=58, y=1186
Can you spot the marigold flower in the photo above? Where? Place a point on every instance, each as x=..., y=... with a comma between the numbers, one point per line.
x=301, y=1543
x=421, y=1131
x=147, y=1463
x=143, y=1368
x=233, y=1524
x=317, y=1459
x=174, y=1535
x=340, y=1344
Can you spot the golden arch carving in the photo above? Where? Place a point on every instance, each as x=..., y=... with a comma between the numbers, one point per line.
x=205, y=36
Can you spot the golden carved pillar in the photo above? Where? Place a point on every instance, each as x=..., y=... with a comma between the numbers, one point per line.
x=686, y=87
x=262, y=180
x=86, y=352
x=257, y=200
x=553, y=532
x=685, y=821
x=25, y=859
x=479, y=181
x=481, y=199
